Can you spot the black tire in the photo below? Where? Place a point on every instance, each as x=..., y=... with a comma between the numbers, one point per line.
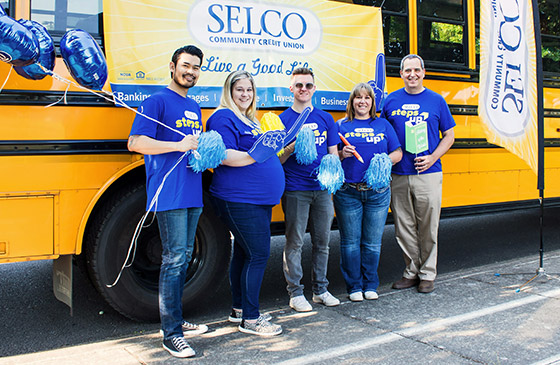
x=136, y=294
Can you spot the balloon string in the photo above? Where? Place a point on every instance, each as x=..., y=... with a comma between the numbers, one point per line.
x=153, y=203
x=140, y=225
x=113, y=98
x=6, y=81
x=62, y=98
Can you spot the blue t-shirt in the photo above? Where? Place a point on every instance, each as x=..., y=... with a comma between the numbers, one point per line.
x=428, y=106
x=183, y=187
x=370, y=137
x=258, y=183
x=304, y=177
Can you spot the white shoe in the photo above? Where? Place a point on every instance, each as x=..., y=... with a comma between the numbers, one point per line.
x=300, y=304
x=191, y=329
x=370, y=295
x=356, y=296
x=326, y=298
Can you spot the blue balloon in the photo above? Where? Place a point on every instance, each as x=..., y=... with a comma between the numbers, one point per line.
x=84, y=59
x=18, y=45
x=46, y=52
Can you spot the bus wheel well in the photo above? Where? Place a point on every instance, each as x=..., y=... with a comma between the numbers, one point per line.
x=107, y=240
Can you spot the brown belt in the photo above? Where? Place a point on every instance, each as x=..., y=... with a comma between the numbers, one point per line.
x=359, y=186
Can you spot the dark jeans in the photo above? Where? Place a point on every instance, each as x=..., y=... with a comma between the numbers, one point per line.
x=361, y=217
x=177, y=229
x=250, y=225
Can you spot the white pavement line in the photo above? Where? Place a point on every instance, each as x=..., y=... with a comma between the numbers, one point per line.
x=550, y=361
x=400, y=334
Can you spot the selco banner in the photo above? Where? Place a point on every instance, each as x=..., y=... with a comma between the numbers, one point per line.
x=508, y=77
x=269, y=39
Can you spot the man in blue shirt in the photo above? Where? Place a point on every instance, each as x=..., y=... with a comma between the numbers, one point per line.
x=417, y=179
x=169, y=127
x=303, y=201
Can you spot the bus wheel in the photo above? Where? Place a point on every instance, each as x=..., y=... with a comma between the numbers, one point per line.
x=136, y=293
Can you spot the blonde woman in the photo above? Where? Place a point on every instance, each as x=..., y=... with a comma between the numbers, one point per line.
x=244, y=192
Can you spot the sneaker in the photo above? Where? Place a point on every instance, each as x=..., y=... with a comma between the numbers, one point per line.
x=370, y=295
x=300, y=304
x=191, y=329
x=237, y=315
x=178, y=347
x=261, y=327
x=326, y=298
x=356, y=296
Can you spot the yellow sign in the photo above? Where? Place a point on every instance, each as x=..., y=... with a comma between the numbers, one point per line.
x=269, y=39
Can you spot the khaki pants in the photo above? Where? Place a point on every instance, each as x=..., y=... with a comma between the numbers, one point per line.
x=416, y=206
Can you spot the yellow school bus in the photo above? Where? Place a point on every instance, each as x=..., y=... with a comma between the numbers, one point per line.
x=71, y=191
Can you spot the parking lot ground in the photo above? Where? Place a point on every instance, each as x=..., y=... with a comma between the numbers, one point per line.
x=477, y=316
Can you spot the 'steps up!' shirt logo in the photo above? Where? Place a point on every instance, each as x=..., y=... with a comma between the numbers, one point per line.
x=254, y=26
x=411, y=113
x=368, y=134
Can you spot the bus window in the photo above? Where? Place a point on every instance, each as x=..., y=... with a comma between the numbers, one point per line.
x=58, y=16
x=477, y=31
x=549, y=13
x=441, y=30
x=395, y=27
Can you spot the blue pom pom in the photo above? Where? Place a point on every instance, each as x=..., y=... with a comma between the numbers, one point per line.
x=305, y=149
x=378, y=174
x=330, y=173
x=210, y=153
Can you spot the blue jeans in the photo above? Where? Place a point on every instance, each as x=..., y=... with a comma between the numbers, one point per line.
x=361, y=217
x=303, y=208
x=177, y=229
x=250, y=225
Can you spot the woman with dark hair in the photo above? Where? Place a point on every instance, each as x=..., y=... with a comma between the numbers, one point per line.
x=244, y=193
x=361, y=209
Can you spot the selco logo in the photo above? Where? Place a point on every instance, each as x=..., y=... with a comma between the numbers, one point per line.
x=191, y=115
x=254, y=25
x=364, y=130
x=311, y=126
x=411, y=107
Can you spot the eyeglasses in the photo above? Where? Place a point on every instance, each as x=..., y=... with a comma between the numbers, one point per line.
x=308, y=86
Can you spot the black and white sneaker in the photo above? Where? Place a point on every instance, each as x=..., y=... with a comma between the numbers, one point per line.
x=261, y=327
x=191, y=329
x=236, y=316
x=178, y=347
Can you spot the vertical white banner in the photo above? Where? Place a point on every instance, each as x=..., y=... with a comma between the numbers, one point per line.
x=508, y=99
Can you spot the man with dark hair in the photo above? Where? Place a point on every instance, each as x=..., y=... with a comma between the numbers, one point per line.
x=303, y=201
x=179, y=204
x=417, y=179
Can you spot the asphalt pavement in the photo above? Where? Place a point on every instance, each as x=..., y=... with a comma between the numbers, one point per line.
x=478, y=314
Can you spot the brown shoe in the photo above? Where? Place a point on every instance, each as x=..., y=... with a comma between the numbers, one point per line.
x=404, y=283
x=426, y=286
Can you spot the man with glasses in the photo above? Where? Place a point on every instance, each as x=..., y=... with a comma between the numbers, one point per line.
x=303, y=201
x=416, y=184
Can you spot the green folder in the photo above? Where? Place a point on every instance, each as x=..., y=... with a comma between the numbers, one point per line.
x=416, y=137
